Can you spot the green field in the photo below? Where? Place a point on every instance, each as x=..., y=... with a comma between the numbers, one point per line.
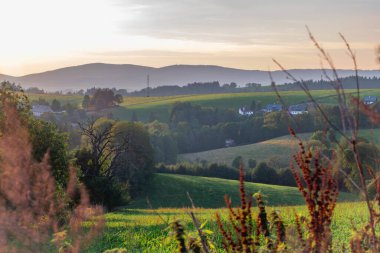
x=170, y=191
x=141, y=230
x=232, y=100
x=278, y=149
x=64, y=99
x=161, y=106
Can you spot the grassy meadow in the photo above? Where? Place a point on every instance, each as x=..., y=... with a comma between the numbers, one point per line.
x=147, y=230
x=138, y=228
x=280, y=149
x=170, y=191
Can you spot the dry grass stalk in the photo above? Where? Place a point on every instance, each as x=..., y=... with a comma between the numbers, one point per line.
x=242, y=234
x=349, y=121
x=320, y=191
x=33, y=217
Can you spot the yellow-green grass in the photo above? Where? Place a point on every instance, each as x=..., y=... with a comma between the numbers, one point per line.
x=161, y=107
x=144, y=230
x=168, y=190
x=279, y=150
x=63, y=99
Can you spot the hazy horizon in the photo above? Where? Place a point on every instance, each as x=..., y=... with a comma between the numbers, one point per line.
x=179, y=64
x=44, y=35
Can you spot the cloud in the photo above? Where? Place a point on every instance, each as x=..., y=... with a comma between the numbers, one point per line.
x=245, y=22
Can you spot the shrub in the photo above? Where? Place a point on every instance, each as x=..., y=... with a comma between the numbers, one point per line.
x=106, y=192
x=264, y=174
x=236, y=162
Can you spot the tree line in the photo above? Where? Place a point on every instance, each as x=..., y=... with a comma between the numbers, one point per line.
x=262, y=173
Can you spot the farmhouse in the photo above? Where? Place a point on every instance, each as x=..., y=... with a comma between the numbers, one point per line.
x=369, y=100
x=229, y=143
x=245, y=111
x=298, y=109
x=38, y=110
x=272, y=108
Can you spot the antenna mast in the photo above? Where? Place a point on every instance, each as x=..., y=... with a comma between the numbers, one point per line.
x=147, y=86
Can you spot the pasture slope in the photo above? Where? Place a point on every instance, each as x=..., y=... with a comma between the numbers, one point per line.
x=279, y=149
x=170, y=191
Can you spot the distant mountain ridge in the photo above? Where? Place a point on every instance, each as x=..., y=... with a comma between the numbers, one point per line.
x=134, y=77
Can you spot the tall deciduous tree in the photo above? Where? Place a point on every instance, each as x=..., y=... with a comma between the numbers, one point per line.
x=102, y=98
x=135, y=162
x=115, y=153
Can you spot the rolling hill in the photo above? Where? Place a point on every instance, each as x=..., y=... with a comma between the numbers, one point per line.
x=167, y=190
x=279, y=150
x=133, y=77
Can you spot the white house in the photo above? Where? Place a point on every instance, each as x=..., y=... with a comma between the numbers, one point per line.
x=229, y=143
x=272, y=108
x=298, y=109
x=369, y=100
x=245, y=112
x=38, y=110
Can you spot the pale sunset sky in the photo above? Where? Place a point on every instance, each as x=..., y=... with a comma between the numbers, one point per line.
x=40, y=35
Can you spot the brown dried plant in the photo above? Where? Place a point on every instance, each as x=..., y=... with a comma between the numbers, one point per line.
x=34, y=217
x=243, y=233
x=314, y=178
x=350, y=107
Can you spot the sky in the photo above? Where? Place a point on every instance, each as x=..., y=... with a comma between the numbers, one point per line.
x=41, y=35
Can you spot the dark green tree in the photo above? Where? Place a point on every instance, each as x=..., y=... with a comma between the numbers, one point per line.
x=46, y=139
x=55, y=105
x=163, y=142
x=119, y=98
x=86, y=102
x=285, y=177
x=134, y=165
x=236, y=162
x=264, y=174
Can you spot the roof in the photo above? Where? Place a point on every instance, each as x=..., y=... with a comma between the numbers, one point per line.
x=41, y=108
x=245, y=111
x=299, y=107
x=273, y=107
x=370, y=98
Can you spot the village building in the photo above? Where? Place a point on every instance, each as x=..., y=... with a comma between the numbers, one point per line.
x=39, y=110
x=244, y=111
x=272, y=108
x=229, y=143
x=369, y=100
x=298, y=109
